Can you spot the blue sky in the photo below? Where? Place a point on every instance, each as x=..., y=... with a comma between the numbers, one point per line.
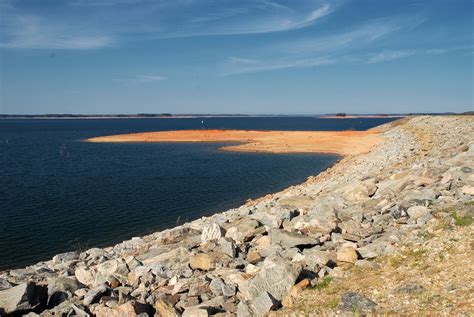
x=220, y=56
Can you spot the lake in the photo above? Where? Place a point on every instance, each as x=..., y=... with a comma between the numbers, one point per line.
x=60, y=194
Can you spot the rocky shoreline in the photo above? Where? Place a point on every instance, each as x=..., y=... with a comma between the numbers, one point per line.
x=259, y=258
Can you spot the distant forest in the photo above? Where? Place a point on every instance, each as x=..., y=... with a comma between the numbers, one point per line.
x=169, y=115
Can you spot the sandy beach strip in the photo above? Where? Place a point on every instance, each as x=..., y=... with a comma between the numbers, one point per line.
x=334, y=142
x=359, y=116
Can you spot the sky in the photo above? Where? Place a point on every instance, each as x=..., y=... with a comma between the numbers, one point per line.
x=222, y=56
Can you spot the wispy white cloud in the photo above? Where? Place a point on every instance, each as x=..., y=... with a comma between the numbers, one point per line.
x=237, y=65
x=342, y=47
x=93, y=24
x=355, y=37
x=391, y=55
x=141, y=79
x=149, y=78
x=33, y=32
x=387, y=56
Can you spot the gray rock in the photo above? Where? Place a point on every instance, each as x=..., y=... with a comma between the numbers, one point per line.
x=226, y=246
x=94, y=295
x=22, y=298
x=132, y=263
x=61, y=288
x=272, y=217
x=315, y=259
x=65, y=257
x=321, y=218
x=360, y=191
x=242, y=230
x=261, y=305
x=113, y=267
x=95, y=253
x=418, y=212
x=243, y=310
x=276, y=277
x=271, y=250
x=356, y=303
x=291, y=239
x=372, y=250
x=4, y=284
x=220, y=288
x=216, y=286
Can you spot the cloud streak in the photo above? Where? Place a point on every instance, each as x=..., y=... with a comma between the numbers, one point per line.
x=342, y=47
x=387, y=56
x=238, y=65
x=149, y=78
x=33, y=32
x=95, y=24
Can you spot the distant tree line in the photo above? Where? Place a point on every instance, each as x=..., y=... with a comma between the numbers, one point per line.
x=70, y=115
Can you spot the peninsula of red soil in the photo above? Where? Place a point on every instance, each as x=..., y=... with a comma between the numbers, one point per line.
x=357, y=116
x=335, y=142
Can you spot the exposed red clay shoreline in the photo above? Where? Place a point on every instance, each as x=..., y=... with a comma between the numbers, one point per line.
x=356, y=116
x=335, y=142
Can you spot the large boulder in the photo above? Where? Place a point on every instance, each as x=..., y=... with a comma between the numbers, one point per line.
x=178, y=234
x=272, y=217
x=276, y=277
x=61, y=288
x=261, y=305
x=67, y=257
x=94, y=294
x=85, y=276
x=347, y=254
x=175, y=258
x=242, y=230
x=314, y=259
x=420, y=214
x=321, y=218
x=113, y=267
x=291, y=239
x=359, y=191
x=22, y=298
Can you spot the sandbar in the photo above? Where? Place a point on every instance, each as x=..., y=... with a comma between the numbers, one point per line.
x=359, y=116
x=333, y=142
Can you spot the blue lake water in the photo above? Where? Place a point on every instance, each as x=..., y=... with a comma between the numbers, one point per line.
x=59, y=194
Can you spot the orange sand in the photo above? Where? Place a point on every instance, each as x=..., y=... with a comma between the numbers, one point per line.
x=357, y=116
x=336, y=142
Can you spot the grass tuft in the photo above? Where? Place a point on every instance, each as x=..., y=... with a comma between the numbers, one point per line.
x=324, y=284
x=461, y=221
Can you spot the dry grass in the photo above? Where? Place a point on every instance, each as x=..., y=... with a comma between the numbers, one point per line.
x=443, y=264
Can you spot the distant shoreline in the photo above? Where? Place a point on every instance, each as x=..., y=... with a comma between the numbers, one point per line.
x=191, y=116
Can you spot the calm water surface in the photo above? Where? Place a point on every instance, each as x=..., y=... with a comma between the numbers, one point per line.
x=58, y=193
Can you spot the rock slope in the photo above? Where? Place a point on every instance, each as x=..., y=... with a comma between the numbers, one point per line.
x=275, y=254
